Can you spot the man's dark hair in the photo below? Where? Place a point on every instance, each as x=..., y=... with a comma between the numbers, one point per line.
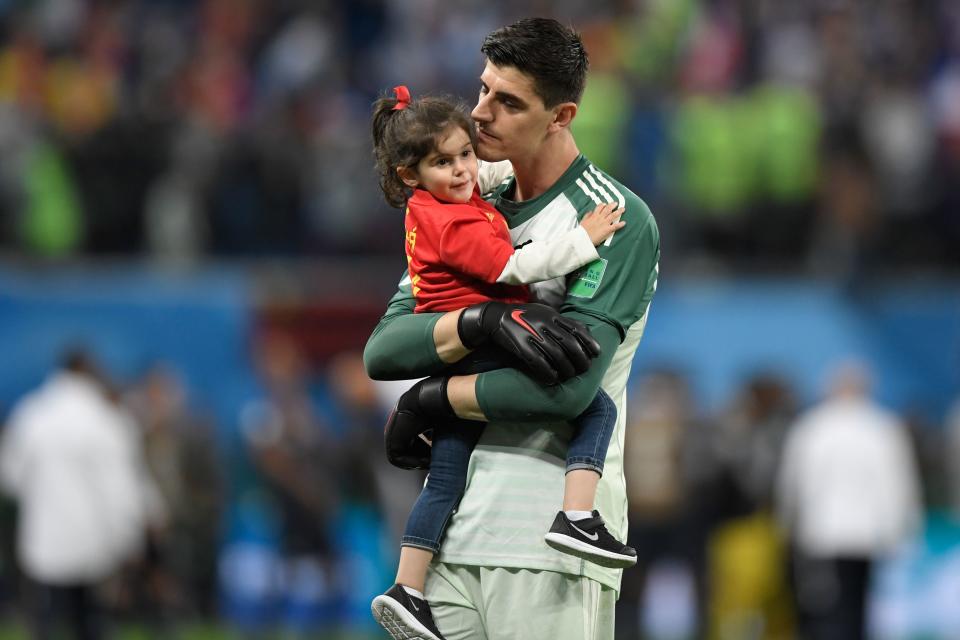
x=550, y=53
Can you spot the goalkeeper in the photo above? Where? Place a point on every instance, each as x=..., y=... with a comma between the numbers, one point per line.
x=494, y=577
x=459, y=253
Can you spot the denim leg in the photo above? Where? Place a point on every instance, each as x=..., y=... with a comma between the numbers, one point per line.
x=452, y=445
x=592, y=432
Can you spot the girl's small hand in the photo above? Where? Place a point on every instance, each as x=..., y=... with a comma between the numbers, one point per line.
x=602, y=222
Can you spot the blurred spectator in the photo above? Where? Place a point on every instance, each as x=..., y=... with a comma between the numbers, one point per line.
x=604, y=112
x=182, y=456
x=750, y=595
x=845, y=237
x=176, y=231
x=70, y=457
x=725, y=114
x=375, y=496
x=368, y=475
x=951, y=462
x=297, y=460
x=751, y=437
x=670, y=473
x=848, y=494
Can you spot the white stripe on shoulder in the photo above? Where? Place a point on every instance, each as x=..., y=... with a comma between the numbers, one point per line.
x=593, y=183
x=602, y=178
x=404, y=281
x=586, y=190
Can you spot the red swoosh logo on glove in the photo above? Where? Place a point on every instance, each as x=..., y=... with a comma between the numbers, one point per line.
x=518, y=318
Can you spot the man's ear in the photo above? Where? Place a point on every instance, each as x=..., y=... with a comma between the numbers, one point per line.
x=409, y=177
x=563, y=115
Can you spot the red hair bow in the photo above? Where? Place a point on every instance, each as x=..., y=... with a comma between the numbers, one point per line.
x=403, y=97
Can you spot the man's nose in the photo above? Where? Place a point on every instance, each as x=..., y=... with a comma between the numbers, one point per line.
x=481, y=112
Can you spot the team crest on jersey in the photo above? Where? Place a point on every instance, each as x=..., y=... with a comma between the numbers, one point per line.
x=588, y=279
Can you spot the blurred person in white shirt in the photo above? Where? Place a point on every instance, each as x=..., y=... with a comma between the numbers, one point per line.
x=848, y=493
x=71, y=460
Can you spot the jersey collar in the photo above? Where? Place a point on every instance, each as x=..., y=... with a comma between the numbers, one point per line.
x=517, y=213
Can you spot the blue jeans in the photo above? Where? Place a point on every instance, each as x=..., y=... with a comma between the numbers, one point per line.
x=452, y=446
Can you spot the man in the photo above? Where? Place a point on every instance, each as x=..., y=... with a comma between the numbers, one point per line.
x=70, y=459
x=848, y=493
x=495, y=577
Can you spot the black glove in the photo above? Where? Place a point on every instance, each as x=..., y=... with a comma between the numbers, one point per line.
x=406, y=436
x=551, y=347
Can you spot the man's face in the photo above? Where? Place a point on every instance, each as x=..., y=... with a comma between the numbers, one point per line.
x=511, y=118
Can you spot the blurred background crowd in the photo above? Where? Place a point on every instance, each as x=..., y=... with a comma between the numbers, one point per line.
x=816, y=136
x=188, y=200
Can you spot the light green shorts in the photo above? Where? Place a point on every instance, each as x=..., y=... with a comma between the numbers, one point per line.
x=486, y=603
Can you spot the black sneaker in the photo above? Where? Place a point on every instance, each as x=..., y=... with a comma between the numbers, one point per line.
x=405, y=617
x=590, y=540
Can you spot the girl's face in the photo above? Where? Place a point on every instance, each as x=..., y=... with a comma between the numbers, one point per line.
x=449, y=172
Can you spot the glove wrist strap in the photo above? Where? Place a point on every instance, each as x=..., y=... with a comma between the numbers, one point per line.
x=470, y=326
x=433, y=399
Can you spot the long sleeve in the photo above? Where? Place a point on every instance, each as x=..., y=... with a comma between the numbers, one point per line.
x=509, y=394
x=401, y=346
x=544, y=260
x=492, y=174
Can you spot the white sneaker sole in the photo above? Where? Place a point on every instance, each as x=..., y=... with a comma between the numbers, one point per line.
x=575, y=547
x=399, y=623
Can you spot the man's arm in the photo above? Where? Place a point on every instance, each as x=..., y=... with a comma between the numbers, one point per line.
x=509, y=394
x=406, y=345
x=608, y=297
x=549, y=346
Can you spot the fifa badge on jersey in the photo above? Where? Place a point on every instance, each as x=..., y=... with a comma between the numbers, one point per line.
x=588, y=279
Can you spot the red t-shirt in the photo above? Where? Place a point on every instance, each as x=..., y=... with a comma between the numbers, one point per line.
x=456, y=252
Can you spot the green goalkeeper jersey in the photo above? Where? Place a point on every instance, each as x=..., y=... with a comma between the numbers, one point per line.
x=516, y=473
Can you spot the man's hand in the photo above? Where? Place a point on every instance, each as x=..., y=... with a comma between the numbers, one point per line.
x=406, y=436
x=552, y=348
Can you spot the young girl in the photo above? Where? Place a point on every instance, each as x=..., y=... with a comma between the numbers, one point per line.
x=459, y=254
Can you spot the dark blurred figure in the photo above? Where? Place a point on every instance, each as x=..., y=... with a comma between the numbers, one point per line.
x=70, y=458
x=951, y=459
x=298, y=461
x=753, y=434
x=848, y=493
x=747, y=552
x=376, y=496
x=362, y=443
x=367, y=474
x=179, y=572
x=845, y=239
x=669, y=469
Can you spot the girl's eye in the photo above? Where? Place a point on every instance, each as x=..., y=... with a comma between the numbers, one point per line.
x=441, y=162
x=467, y=153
